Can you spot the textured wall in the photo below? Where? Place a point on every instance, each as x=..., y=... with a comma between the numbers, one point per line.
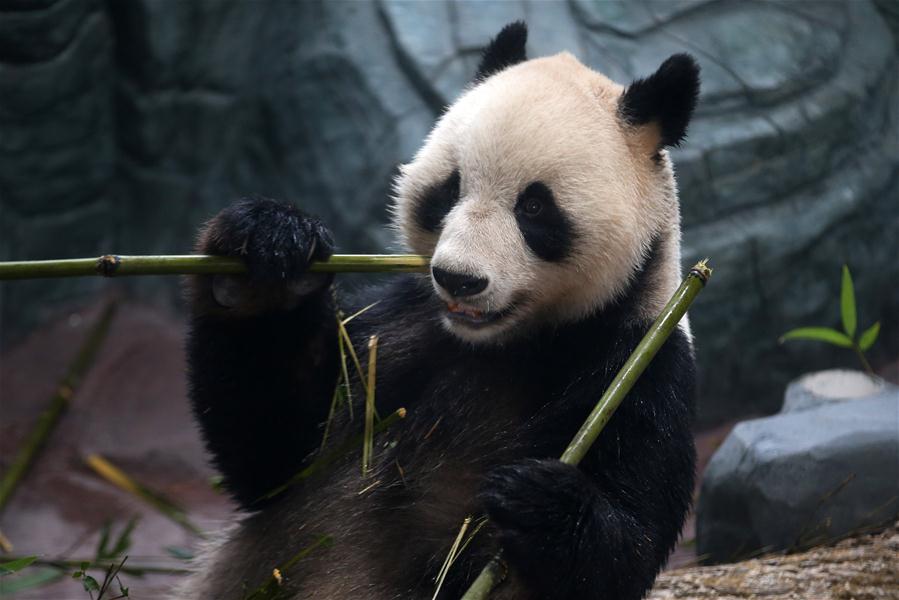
x=124, y=124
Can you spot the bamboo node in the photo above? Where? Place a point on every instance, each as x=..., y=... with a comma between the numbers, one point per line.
x=702, y=270
x=108, y=264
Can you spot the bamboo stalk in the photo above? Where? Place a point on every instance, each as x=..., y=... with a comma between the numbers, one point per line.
x=451, y=556
x=112, y=265
x=121, y=480
x=639, y=359
x=271, y=589
x=368, y=440
x=102, y=565
x=5, y=545
x=46, y=423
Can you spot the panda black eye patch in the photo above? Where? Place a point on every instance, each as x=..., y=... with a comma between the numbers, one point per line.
x=546, y=229
x=437, y=201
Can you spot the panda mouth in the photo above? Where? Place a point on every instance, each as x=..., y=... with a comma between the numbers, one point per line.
x=474, y=317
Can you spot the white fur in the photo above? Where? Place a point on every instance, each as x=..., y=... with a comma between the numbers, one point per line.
x=552, y=120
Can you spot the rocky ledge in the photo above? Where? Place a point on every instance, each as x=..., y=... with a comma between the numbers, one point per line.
x=861, y=567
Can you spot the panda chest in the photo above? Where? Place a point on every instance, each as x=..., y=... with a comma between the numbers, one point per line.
x=467, y=418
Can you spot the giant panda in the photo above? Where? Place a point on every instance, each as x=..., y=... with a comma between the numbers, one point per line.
x=547, y=199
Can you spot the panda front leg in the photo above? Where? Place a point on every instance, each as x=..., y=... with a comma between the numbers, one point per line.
x=262, y=348
x=567, y=539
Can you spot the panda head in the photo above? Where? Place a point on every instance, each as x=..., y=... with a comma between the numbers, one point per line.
x=540, y=192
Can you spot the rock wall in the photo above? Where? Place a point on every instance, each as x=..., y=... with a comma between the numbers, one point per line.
x=124, y=124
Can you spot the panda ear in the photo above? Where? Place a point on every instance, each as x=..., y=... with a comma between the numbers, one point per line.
x=666, y=99
x=505, y=50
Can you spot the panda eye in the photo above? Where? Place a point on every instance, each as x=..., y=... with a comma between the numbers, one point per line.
x=545, y=228
x=534, y=200
x=437, y=202
x=532, y=206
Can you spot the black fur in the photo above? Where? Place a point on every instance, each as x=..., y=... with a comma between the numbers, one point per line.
x=276, y=239
x=437, y=202
x=484, y=427
x=505, y=50
x=667, y=98
x=549, y=233
x=256, y=427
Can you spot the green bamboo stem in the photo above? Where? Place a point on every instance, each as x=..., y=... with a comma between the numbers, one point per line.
x=861, y=356
x=102, y=565
x=50, y=417
x=489, y=577
x=112, y=265
x=639, y=359
x=123, y=481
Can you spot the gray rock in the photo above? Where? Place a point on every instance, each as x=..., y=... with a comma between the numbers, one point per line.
x=836, y=385
x=792, y=160
x=822, y=469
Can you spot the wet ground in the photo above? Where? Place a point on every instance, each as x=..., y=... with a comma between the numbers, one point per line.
x=130, y=408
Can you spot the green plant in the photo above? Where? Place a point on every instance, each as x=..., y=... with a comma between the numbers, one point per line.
x=112, y=575
x=107, y=551
x=14, y=566
x=846, y=338
x=19, y=574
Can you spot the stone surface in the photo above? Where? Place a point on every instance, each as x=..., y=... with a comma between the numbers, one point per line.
x=820, y=470
x=124, y=124
x=835, y=385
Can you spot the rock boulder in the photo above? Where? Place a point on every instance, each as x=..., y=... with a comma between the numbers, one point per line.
x=823, y=468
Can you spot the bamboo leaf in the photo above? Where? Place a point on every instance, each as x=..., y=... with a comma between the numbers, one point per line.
x=847, y=303
x=16, y=565
x=124, y=541
x=90, y=584
x=869, y=336
x=102, y=545
x=32, y=579
x=179, y=552
x=821, y=334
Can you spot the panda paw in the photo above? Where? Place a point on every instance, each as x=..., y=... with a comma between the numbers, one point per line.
x=275, y=239
x=277, y=242
x=540, y=509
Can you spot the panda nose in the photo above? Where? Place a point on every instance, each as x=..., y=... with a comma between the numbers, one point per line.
x=458, y=284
